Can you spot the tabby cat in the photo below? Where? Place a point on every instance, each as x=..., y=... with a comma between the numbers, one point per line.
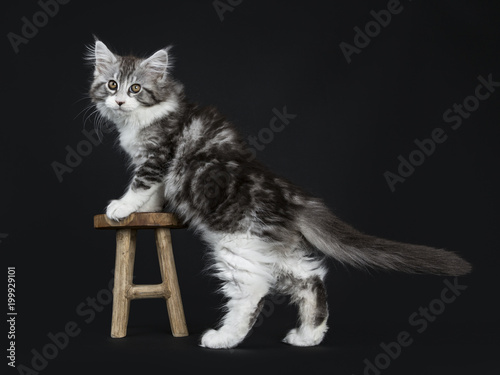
x=265, y=234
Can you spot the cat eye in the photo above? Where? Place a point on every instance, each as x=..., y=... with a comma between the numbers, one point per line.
x=112, y=85
x=135, y=88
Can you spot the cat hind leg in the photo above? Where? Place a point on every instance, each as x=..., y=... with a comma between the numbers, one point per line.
x=310, y=296
x=243, y=308
x=246, y=281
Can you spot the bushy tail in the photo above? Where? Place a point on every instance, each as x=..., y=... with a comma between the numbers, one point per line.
x=339, y=240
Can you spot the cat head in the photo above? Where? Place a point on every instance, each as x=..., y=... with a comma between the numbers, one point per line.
x=123, y=85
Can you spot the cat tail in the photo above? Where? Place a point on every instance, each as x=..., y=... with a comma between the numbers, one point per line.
x=339, y=240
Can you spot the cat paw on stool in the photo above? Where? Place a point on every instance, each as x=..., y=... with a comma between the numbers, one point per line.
x=118, y=209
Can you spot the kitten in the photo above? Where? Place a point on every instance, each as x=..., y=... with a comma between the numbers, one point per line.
x=266, y=235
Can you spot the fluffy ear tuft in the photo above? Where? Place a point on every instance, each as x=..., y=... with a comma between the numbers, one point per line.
x=158, y=63
x=101, y=57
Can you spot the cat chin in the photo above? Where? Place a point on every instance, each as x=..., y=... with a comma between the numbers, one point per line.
x=138, y=116
x=122, y=110
x=118, y=110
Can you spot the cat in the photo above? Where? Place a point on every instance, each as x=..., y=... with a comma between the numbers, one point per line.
x=265, y=234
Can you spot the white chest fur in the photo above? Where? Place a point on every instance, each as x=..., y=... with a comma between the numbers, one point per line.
x=130, y=142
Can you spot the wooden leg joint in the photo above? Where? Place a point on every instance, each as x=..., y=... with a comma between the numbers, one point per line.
x=148, y=291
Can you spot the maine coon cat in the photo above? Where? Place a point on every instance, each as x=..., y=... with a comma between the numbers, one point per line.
x=265, y=234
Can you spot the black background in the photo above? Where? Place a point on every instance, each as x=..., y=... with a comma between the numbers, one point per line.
x=353, y=120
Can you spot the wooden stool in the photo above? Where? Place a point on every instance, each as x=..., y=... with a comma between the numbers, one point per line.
x=124, y=290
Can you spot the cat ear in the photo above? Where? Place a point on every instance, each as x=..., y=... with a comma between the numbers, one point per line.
x=104, y=58
x=157, y=63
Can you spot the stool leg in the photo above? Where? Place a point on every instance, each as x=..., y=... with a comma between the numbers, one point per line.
x=124, y=269
x=169, y=276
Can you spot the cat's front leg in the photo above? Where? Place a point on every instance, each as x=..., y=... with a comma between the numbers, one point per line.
x=144, y=190
x=132, y=201
x=155, y=203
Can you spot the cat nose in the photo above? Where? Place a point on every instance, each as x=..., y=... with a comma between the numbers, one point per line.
x=119, y=102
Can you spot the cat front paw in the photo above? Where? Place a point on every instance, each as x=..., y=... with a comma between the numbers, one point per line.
x=118, y=209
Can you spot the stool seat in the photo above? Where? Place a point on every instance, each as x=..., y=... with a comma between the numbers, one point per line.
x=124, y=289
x=140, y=220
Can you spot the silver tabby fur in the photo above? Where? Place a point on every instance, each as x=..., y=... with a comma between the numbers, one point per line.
x=265, y=234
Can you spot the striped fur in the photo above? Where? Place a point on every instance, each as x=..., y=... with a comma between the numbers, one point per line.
x=265, y=234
